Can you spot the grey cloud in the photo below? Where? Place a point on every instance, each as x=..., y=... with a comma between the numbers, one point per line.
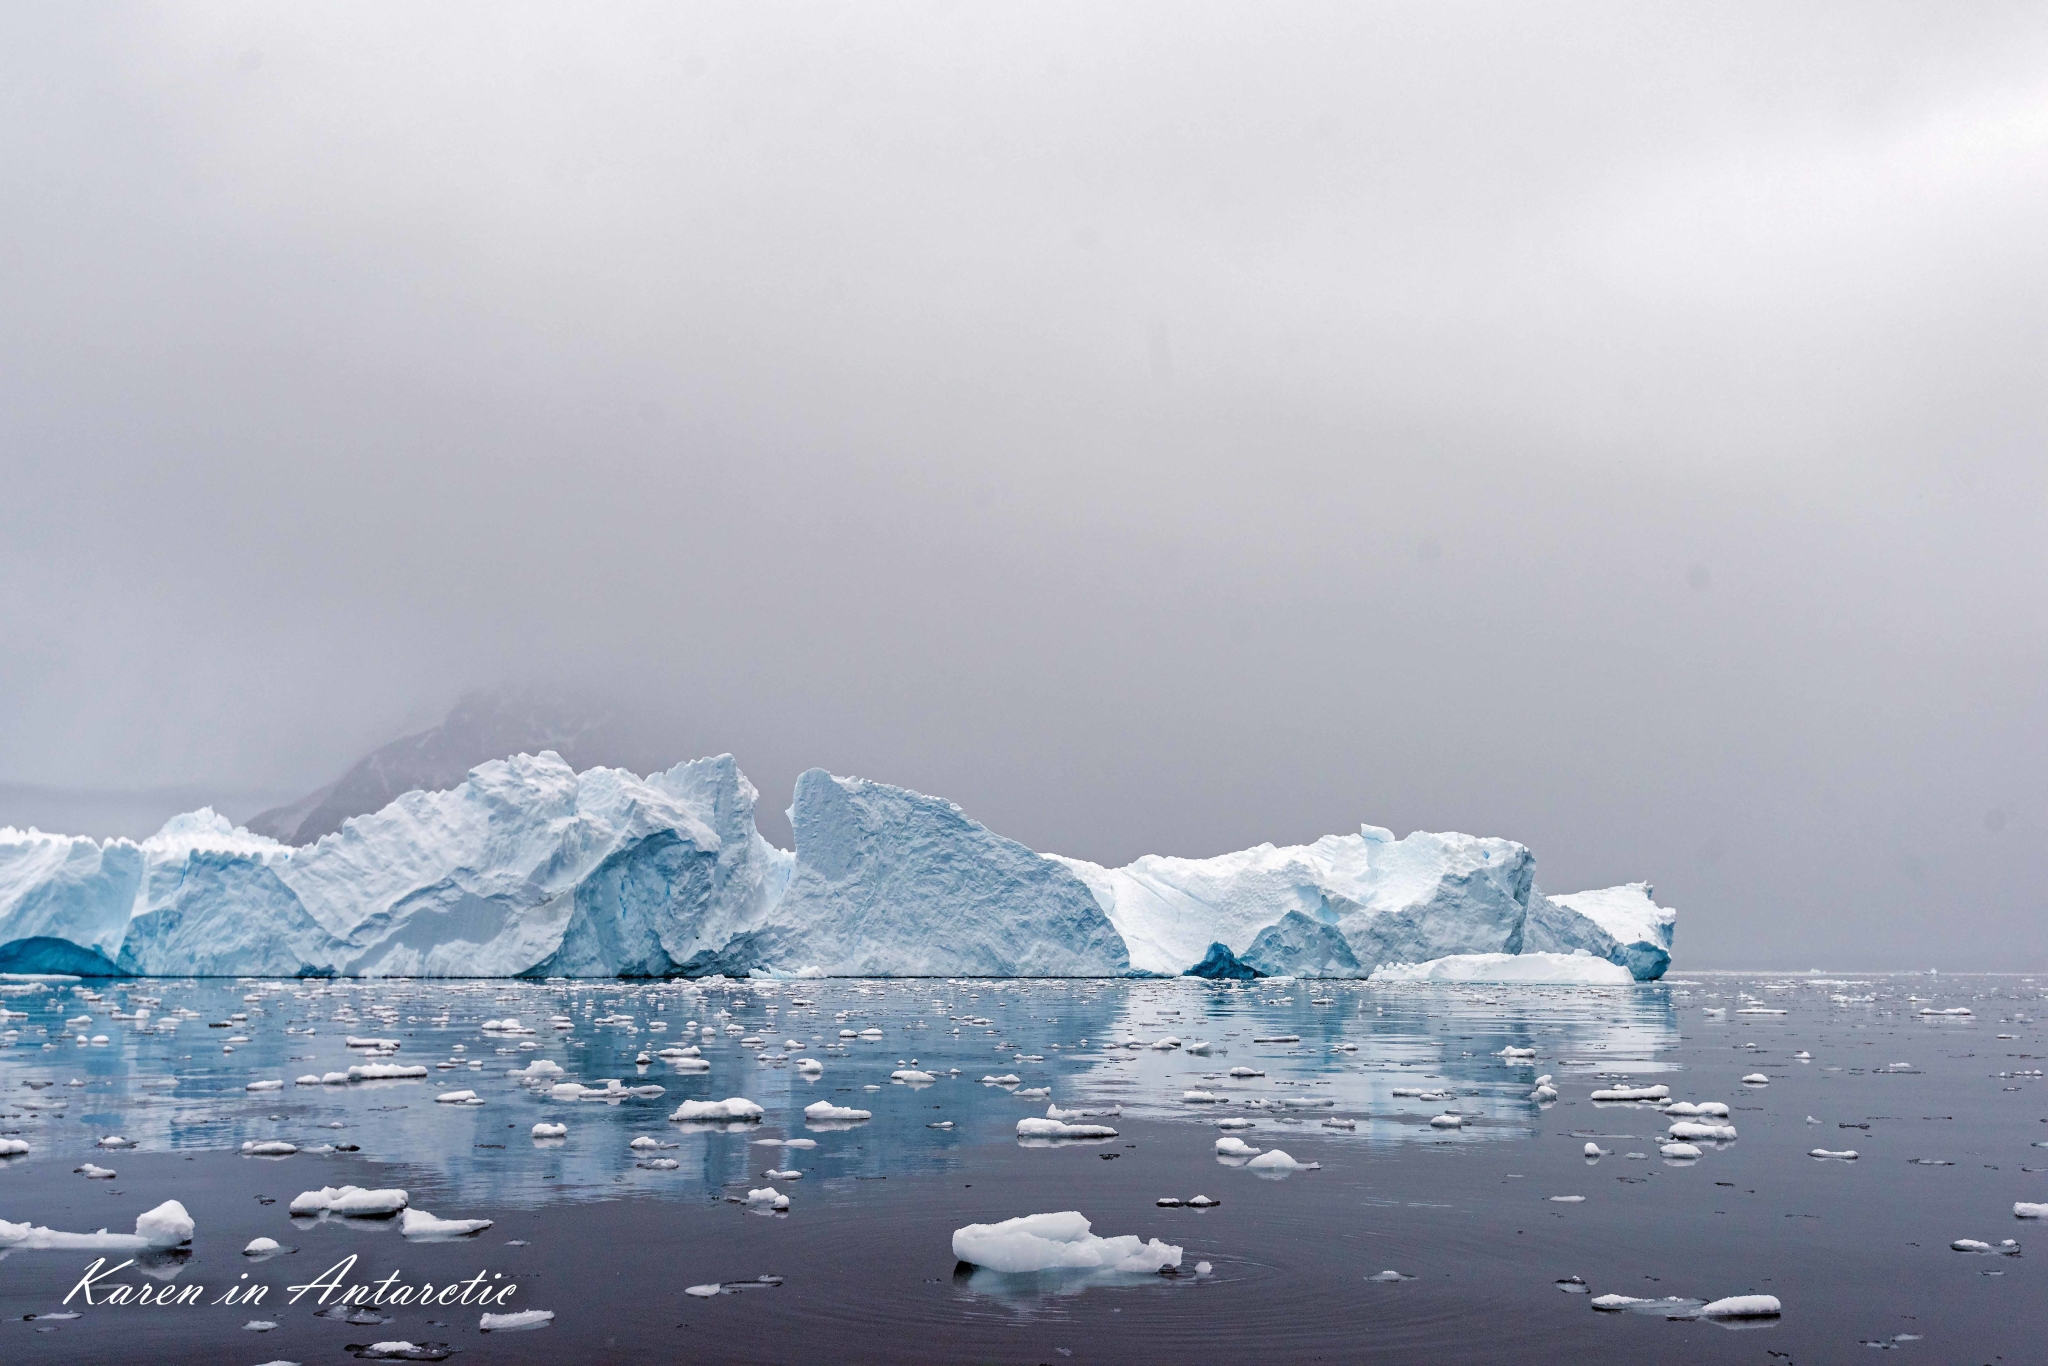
x=1154, y=427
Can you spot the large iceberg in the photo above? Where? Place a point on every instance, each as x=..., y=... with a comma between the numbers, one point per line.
x=529, y=868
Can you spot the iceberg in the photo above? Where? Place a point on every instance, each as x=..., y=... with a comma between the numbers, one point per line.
x=1623, y=924
x=528, y=868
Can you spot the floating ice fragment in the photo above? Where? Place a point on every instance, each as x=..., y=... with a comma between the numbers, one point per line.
x=1742, y=1307
x=769, y=1196
x=1680, y=1151
x=1274, y=1160
x=114, y=1141
x=1754, y=1079
x=825, y=1110
x=1447, y=1122
x=269, y=1148
x=1231, y=1146
x=351, y=1201
x=260, y=1247
x=512, y=1323
x=1053, y=1128
x=1595, y=1150
x=168, y=1225
x=458, y=1098
x=910, y=1076
x=2021, y=1209
x=1633, y=1093
x=264, y=1086
x=12, y=1147
x=1203, y=1202
x=382, y=1071
x=1686, y=1130
x=93, y=1173
x=1276, y=1038
x=1567, y=1199
x=1390, y=1277
x=1713, y=1108
x=1057, y=1242
x=1846, y=1155
x=733, y=1108
x=415, y=1223
x=550, y=1131
x=1007, y=1079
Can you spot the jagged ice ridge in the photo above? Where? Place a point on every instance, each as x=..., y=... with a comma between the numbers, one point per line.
x=531, y=869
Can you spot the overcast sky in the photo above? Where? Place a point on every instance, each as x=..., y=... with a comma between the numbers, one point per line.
x=1159, y=428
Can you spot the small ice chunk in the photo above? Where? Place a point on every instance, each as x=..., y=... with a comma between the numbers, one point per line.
x=732, y=1108
x=264, y=1086
x=1390, y=1277
x=1680, y=1151
x=93, y=1173
x=1685, y=1130
x=310, y=1079
x=512, y=1323
x=168, y=1225
x=550, y=1131
x=1007, y=1079
x=1203, y=1202
x=1057, y=1242
x=2021, y=1209
x=644, y=1142
x=260, y=1247
x=769, y=1196
x=1845, y=1155
x=1202, y=1098
x=808, y=1066
x=1567, y=1199
x=911, y=1076
x=1633, y=1093
x=1742, y=1307
x=352, y=1201
x=1274, y=1160
x=1595, y=1150
x=1753, y=1079
x=382, y=1071
x=270, y=1148
x=826, y=1111
x=1447, y=1122
x=258, y=1326
x=12, y=1147
x=417, y=1223
x=1245, y=1072
x=1198, y=1046
x=1053, y=1128
x=1231, y=1146
x=458, y=1098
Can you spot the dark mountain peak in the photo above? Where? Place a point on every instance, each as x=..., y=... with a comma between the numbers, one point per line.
x=488, y=723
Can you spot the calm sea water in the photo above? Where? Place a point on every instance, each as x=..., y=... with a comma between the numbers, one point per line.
x=1946, y=1113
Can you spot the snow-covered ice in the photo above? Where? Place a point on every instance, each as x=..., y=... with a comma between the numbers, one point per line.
x=416, y=1223
x=353, y=1201
x=528, y=867
x=509, y=1323
x=165, y=1226
x=1522, y=968
x=1057, y=1242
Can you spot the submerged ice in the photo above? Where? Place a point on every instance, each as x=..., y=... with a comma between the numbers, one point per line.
x=529, y=868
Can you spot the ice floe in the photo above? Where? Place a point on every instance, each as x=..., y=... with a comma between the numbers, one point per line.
x=824, y=1111
x=1053, y=1128
x=733, y=1108
x=165, y=1226
x=351, y=1201
x=512, y=1323
x=1057, y=1242
x=416, y=1223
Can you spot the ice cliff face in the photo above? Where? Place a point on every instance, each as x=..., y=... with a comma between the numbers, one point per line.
x=891, y=882
x=1620, y=924
x=530, y=868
